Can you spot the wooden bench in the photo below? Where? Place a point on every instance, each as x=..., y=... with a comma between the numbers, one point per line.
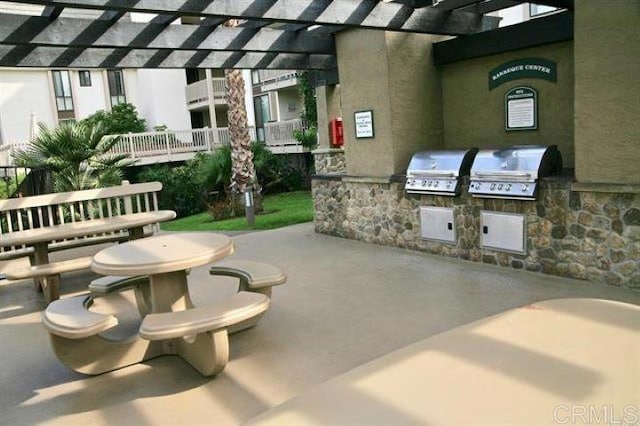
x=201, y=333
x=50, y=273
x=20, y=214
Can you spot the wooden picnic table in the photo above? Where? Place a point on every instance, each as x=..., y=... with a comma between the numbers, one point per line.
x=40, y=238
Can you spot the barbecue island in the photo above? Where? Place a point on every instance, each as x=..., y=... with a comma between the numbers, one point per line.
x=546, y=88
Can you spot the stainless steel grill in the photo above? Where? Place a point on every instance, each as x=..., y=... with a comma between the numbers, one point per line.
x=438, y=172
x=513, y=172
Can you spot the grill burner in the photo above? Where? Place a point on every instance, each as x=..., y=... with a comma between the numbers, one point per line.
x=438, y=172
x=513, y=172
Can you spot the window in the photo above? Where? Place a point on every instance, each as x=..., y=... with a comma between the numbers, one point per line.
x=85, y=78
x=116, y=87
x=536, y=9
x=255, y=77
x=62, y=89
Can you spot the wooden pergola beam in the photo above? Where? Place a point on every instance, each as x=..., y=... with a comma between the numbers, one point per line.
x=85, y=33
x=453, y=4
x=349, y=13
x=52, y=12
x=60, y=57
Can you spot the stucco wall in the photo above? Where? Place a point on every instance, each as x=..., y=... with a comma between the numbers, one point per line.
x=415, y=97
x=607, y=105
x=162, y=99
x=392, y=75
x=328, y=107
x=290, y=104
x=474, y=115
x=89, y=98
x=22, y=92
x=364, y=84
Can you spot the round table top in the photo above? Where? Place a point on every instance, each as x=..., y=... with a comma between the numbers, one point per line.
x=162, y=253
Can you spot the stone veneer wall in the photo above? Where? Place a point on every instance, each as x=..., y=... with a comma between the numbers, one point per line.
x=329, y=161
x=587, y=235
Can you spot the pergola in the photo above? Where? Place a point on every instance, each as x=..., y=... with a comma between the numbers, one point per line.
x=273, y=34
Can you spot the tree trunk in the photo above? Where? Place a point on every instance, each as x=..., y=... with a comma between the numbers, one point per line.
x=243, y=171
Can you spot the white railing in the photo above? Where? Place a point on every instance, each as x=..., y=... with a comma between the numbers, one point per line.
x=167, y=142
x=197, y=92
x=267, y=75
x=281, y=133
x=219, y=88
x=6, y=152
x=170, y=142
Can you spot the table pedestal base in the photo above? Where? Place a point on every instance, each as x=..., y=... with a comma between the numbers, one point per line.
x=206, y=352
x=97, y=354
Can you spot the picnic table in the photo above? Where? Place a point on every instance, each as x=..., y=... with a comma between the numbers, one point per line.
x=40, y=238
x=171, y=324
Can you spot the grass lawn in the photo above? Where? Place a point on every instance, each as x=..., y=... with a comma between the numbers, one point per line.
x=279, y=210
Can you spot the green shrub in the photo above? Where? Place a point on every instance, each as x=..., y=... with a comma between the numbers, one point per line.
x=123, y=118
x=204, y=181
x=183, y=188
x=77, y=154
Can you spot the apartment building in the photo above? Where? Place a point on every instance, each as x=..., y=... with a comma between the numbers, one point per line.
x=52, y=96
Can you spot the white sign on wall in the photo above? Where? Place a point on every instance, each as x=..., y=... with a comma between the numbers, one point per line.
x=364, y=124
x=521, y=109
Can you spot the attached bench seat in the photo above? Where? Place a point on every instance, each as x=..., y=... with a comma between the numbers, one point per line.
x=254, y=276
x=49, y=269
x=109, y=284
x=76, y=339
x=71, y=318
x=17, y=253
x=237, y=308
x=50, y=274
x=201, y=334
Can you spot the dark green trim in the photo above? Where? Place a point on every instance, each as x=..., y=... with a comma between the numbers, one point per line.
x=541, y=68
x=536, y=32
x=527, y=93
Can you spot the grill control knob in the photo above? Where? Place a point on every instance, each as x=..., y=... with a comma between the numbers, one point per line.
x=424, y=183
x=493, y=186
x=448, y=184
x=435, y=184
x=507, y=187
x=524, y=187
x=499, y=186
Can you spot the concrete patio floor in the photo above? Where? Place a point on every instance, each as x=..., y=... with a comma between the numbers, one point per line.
x=345, y=303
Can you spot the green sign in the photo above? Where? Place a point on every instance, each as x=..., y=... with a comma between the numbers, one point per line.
x=521, y=109
x=523, y=68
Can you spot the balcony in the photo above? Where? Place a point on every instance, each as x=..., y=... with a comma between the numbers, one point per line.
x=198, y=95
x=181, y=145
x=276, y=79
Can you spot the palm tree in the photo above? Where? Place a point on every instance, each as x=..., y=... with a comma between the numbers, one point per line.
x=243, y=174
x=77, y=154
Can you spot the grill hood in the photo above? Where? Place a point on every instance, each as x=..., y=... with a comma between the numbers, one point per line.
x=513, y=172
x=438, y=172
